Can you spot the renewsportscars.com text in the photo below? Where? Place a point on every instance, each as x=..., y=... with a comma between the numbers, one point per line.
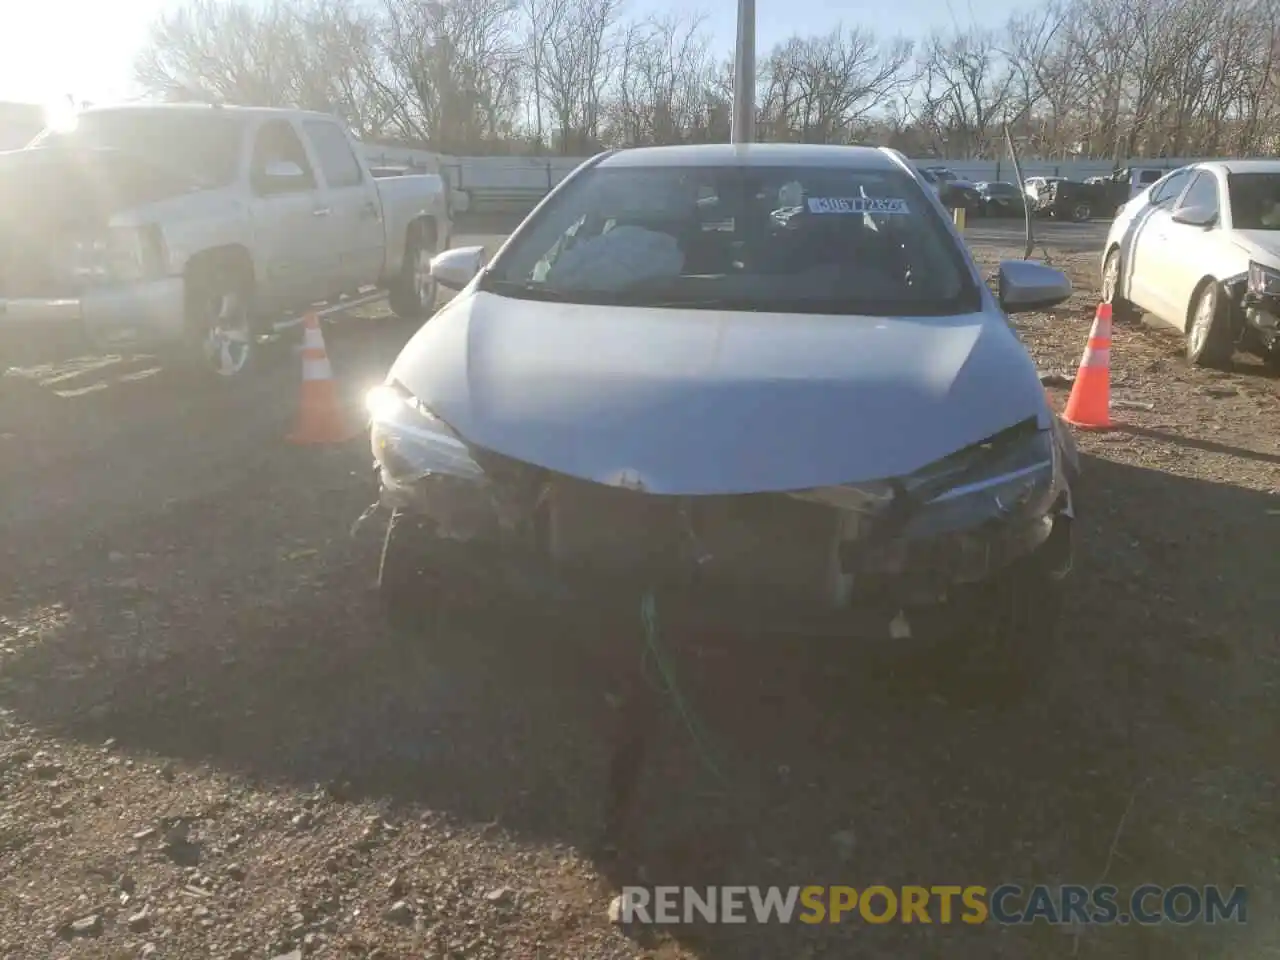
x=939, y=904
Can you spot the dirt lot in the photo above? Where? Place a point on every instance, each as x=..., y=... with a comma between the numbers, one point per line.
x=211, y=748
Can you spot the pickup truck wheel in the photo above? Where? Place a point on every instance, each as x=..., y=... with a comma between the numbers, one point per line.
x=1081, y=212
x=1209, y=328
x=219, y=321
x=413, y=293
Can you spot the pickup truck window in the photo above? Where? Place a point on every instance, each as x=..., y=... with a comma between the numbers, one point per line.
x=202, y=145
x=341, y=169
x=277, y=143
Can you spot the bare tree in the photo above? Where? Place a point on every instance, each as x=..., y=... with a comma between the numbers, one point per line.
x=664, y=77
x=1097, y=78
x=454, y=68
x=579, y=62
x=820, y=89
x=965, y=90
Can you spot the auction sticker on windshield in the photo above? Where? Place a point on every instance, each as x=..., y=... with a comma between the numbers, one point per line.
x=887, y=205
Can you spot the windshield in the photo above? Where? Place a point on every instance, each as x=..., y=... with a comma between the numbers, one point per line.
x=205, y=146
x=782, y=239
x=1255, y=200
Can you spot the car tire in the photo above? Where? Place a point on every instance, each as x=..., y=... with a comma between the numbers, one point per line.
x=1122, y=311
x=1209, y=342
x=221, y=337
x=412, y=295
x=1080, y=212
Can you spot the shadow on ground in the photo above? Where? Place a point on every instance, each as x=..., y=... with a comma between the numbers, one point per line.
x=826, y=773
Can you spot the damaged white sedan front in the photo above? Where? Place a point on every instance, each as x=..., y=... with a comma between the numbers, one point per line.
x=767, y=378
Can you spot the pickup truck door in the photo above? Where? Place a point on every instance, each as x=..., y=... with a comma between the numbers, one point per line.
x=288, y=210
x=359, y=230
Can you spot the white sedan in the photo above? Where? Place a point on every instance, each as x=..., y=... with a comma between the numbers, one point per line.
x=770, y=372
x=1200, y=250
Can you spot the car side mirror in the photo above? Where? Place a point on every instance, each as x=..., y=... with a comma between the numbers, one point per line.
x=454, y=269
x=1027, y=286
x=1196, y=216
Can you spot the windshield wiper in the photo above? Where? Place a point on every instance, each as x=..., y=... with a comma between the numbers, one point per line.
x=527, y=290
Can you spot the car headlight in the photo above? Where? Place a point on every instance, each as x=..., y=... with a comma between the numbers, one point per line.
x=1264, y=281
x=410, y=442
x=120, y=254
x=1009, y=475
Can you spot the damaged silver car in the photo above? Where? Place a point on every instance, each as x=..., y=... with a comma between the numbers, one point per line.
x=768, y=378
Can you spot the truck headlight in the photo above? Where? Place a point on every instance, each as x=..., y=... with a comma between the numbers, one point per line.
x=120, y=254
x=410, y=442
x=1264, y=281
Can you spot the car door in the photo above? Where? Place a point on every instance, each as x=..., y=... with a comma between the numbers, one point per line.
x=287, y=210
x=358, y=229
x=1187, y=250
x=1141, y=246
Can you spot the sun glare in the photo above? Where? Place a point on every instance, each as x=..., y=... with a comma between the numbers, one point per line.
x=61, y=115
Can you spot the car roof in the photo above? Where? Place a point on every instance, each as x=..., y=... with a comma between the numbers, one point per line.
x=1241, y=166
x=752, y=155
x=205, y=109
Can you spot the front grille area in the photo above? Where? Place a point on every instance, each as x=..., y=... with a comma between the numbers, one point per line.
x=31, y=267
x=770, y=540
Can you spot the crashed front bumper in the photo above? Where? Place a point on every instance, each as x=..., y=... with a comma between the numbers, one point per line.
x=765, y=555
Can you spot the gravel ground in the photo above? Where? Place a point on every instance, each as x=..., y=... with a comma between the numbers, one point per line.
x=210, y=747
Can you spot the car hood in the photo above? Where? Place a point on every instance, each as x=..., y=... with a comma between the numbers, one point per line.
x=707, y=402
x=1263, y=243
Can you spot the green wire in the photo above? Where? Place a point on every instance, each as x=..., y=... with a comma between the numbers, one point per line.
x=649, y=616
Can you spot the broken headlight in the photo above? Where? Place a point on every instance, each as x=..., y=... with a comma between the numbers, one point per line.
x=410, y=442
x=1264, y=281
x=1010, y=475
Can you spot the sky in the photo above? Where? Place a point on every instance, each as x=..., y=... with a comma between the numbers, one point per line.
x=50, y=49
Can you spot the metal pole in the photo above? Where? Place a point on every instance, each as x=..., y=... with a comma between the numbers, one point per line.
x=743, y=129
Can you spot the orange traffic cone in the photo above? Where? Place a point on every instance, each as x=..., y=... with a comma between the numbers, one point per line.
x=320, y=415
x=1089, y=405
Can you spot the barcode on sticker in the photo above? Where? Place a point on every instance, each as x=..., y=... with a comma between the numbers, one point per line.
x=883, y=205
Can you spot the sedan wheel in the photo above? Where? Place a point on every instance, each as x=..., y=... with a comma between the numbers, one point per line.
x=1209, y=331
x=1121, y=309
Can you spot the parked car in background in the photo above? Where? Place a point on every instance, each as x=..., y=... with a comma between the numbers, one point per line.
x=949, y=176
x=1033, y=186
x=1200, y=250
x=1118, y=188
x=1064, y=199
x=191, y=229
x=575, y=414
x=954, y=193
x=998, y=199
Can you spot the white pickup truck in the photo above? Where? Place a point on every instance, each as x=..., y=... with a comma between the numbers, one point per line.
x=193, y=230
